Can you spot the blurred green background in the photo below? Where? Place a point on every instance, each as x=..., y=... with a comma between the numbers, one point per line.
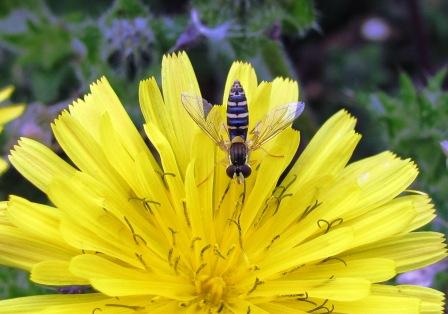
x=385, y=61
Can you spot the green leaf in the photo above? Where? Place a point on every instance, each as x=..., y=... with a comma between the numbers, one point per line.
x=435, y=83
x=407, y=90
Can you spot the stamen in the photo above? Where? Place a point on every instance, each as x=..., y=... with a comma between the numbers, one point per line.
x=333, y=258
x=204, y=180
x=254, y=268
x=218, y=252
x=170, y=255
x=131, y=307
x=193, y=241
x=142, y=261
x=279, y=202
x=240, y=232
x=187, y=218
x=309, y=209
x=146, y=202
x=272, y=241
x=256, y=284
x=204, y=249
x=223, y=196
x=323, y=307
x=278, y=199
x=293, y=295
x=135, y=236
x=201, y=267
x=292, y=270
x=163, y=175
x=305, y=299
x=173, y=234
x=230, y=250
x=335, y=222
x=176, y=264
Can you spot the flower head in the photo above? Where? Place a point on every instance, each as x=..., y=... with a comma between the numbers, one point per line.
x=169, y=232
x=8, y=113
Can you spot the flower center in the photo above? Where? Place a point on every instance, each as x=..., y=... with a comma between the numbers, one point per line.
x=213, y=289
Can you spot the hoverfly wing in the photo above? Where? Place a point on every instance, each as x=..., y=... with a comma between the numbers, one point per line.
x=274, y=122
x=206, y=117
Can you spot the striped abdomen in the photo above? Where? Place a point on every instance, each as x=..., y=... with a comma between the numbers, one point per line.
x=237, y=112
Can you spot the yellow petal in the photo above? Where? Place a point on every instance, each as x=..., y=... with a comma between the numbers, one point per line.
x=85, y=151
x=38, y=220
x=36, y=304
x=3, y=166
x=145, y=286
x=268, y=173
x=329, y=150
x=409, y=251
x=244, y=73
x=4, y=220
x=321, y=247
x=172, y=175
x=261, y=102
x=103, y=99
x=283, y=91
x=10, y=113
x=423, y=207
x=20, y=250
x=38, y=163
x=372, y=269
x=178, y=77
x=374, y=304
x=55, y=273
x=87, y=225
x=243, y=306
x=280, y=308
x=380, y=178
x=341, y=289
x=431, y=301
x=154, y=109
x=6, y=92
x=381, y=223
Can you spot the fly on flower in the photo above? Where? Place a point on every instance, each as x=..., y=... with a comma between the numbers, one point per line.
x=238, y=146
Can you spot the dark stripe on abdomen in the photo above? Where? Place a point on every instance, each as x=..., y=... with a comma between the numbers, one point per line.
x=237, y=109
x=238, y=122
x=237, y=98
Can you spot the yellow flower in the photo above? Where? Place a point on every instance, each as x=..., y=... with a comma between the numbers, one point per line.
x=171, y=233
x=7, y=114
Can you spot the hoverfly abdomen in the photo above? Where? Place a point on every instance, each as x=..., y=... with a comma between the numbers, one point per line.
x=237, y=112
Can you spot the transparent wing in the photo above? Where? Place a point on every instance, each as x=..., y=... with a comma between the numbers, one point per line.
x=274, y=122
x=209, y=120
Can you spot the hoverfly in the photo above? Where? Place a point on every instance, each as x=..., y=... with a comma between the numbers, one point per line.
x=237, y=146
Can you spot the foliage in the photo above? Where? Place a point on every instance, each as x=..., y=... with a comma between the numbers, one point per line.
x=412, y=123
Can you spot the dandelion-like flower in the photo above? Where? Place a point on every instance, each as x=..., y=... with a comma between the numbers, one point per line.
x=171, y=233
x=8, y=113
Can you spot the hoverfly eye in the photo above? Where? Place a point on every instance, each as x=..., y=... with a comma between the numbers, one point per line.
x=245, y=170
x=231, y=170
